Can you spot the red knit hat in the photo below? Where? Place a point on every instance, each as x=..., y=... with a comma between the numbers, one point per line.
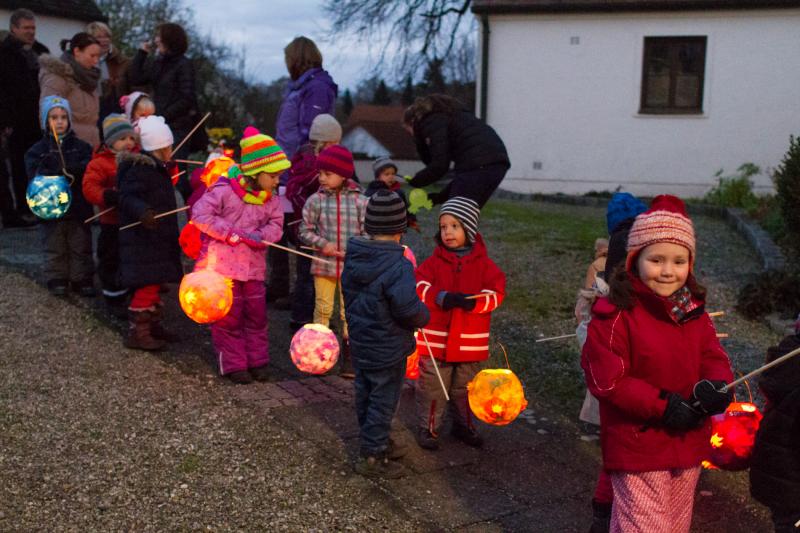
x=338, y=159
x=665, y=221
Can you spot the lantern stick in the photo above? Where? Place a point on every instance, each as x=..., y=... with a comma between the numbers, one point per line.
x=191, y=132
x=547, y=339
x=285, y=249
x=60, y=153
x=294, y=222
x=188, y=162
x=479, y=295
x=435, y=366
x=716, y=313
x=98, y=215
x=722, y=335
x=758, y=371
x=184, y=208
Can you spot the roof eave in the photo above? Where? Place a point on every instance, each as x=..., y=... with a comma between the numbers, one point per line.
x=607, y=7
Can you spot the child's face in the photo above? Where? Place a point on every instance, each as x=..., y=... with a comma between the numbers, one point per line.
x=124, y=144
x=268, y=181
x=330, y=180
x=388, y=176
x=144, y=108
x=664, y=267
x=58, y=118
x=451, y=232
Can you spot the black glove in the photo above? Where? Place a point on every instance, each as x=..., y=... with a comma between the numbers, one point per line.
x=110, y=197
x=708, y=398
x=437, y=198
x=457, y=299
x=680, y=415
x=148, y=219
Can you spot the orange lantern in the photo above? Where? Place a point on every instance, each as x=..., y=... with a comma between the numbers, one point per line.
x=205, y=296
x=412, y=365
x=215, y=169
x=314, y=349
x=496, y=396
x=733, y=435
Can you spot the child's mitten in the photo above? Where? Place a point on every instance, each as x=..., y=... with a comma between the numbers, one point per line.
x=708, y=397
x=457, y=299
x=679, y=414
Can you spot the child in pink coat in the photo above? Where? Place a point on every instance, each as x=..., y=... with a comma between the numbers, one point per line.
x=238, y=214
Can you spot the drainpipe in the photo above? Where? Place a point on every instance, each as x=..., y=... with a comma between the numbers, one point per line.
x=484, y=64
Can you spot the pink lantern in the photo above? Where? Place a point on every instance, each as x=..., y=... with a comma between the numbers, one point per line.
x=205, y=296
x=314, y=349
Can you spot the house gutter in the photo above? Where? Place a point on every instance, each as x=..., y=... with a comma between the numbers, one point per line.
x=484, y=65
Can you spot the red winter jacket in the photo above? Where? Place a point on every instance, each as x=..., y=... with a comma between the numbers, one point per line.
x=457, y=335
x=101, y=174
x=629, y=358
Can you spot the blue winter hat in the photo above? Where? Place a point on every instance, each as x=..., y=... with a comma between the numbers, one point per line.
x=622, y=206
x=49, y=102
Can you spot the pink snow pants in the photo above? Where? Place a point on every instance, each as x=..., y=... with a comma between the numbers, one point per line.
x=240, y=338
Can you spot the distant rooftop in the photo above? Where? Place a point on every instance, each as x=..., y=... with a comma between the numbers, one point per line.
x=85, y=10
x=494, y=7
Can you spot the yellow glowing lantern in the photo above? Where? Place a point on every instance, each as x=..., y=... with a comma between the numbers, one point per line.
x=215, y=169
x=314, y=349
x=496, y=396
x=205, y=296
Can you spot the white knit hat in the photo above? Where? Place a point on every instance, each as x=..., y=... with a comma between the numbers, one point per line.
x=154, y=133
x=325, y=128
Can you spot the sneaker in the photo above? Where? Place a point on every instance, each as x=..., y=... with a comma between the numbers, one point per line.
x=396, y=450
x=58, y=287
x=260, y=373
x=427, y=440
x=84, y=288
x=242, y=377
x=379, y=467
x=467, y=435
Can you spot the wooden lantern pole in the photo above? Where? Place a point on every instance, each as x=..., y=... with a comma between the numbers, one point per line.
x=435, y=366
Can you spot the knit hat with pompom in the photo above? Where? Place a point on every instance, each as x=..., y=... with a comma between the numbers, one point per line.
x=665, y=221
x=260, y=153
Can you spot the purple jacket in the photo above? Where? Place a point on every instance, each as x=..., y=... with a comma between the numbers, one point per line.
x=310, y=95
x=220, y=211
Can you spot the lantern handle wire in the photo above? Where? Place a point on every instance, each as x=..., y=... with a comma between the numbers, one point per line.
x=435, y=366
x=505, y=353
x=61, y=154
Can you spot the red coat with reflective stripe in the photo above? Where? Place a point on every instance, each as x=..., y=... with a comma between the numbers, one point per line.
x=630, y=356
x=457, y=335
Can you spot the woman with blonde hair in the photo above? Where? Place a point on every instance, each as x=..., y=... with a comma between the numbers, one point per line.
x=113, y=67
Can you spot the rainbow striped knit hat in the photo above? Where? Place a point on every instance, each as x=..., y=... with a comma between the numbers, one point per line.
x=260, y=153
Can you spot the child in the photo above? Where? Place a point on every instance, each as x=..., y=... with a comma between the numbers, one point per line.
x=775, y=468
x=100, y=189
x=149, y=253
x=238, y=214
x=137, y=105
x=330, y=217
x=383, y=311
x=303, y=182
x=653, y=361
x=66, y=242
x=458, y=333
x=385, y=173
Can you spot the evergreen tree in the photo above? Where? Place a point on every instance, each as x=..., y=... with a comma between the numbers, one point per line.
x=433, y=80
x=407, y=98
x=787, y=184
x=347, y=104
x=381, y=95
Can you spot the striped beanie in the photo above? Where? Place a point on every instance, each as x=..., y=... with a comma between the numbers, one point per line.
x=386, y=214
x=338, y=159
x=466, y=211
x=383, y=163
x=115, y=127
x=260, y=153
x=665, y=221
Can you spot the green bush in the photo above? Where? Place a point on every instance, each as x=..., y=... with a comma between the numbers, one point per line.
x=770, y=292
x=787, y=184
x=735, y=190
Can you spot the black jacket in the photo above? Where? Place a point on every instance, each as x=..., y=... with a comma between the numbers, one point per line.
x=43, y=158
x=381, y=303
x=147, y=257
x=775, y=468
x=19, y=86
x=459, y=137
x=173, y=90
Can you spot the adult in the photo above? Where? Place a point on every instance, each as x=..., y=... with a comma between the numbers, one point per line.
x=19, y=112
x=310, y=92
x=75, y=76
x=113, y=67
x=445, y=132
x=170, y=74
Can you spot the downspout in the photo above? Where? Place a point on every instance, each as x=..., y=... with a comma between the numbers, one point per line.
x=484, y=65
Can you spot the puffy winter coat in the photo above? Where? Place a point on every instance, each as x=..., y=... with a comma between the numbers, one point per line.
x=312, y=94
x=101, y=174
x=56, y=77
x=458, y=335
x=332, y=216
x=19, y=87
x=43, y=158
x=380, y=303
x=116, y=85
x=147, y=256
x=221, y=211
x=302, y=183
x=775, y=468
x=459, y=137
x=631, y=358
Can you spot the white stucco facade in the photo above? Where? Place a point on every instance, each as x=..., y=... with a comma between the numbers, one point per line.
x=564, y=94
x=50, y=30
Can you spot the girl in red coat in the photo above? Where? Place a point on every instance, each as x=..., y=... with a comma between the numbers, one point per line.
x=458, y=332
x=653, y=360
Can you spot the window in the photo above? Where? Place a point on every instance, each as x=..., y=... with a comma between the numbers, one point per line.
x=672, y=75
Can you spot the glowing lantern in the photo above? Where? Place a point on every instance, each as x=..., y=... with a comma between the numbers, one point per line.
x=49, y=197
x=314, y=349
x=216, y=168
x=496, y=396
x=190, y=241
x=205, y=296
x=733, y=434
x=412, y=365
x=408, y=253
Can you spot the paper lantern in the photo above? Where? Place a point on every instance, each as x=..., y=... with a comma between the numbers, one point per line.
x=215, y=169
x=412, y=365
x=205, y=296
x=408, y=253
x=496, y=396
x=733, y=435
x=49, y=197
x=314, y=349
x=418, y=199
x=190, y=241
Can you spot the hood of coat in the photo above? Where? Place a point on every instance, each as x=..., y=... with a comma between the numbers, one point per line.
x=660, y=306
x=55, y=66
x=125, y=160
x=350, y=187
x=314, y=75
x=363, y=262
x=478, y=252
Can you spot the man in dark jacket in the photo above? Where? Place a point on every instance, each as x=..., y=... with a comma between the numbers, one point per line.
x=382, y=311
x=19, y=111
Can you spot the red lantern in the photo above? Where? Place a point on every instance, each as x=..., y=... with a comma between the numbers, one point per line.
x=412, y=365
x=733, y=435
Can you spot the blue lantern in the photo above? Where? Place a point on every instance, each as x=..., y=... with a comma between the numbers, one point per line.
x=49, y=197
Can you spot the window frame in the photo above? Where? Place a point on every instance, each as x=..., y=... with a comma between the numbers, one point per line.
x=671, y=109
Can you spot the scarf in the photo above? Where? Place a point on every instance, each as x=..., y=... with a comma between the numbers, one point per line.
x=243, y=190
x=86, y=78
x=682, y=304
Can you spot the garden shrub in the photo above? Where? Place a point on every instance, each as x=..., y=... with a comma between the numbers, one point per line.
x=770, y=292
x=787, y=184
x=735, y=190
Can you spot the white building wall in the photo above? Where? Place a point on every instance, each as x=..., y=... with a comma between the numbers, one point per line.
x=574, y=107
x=49, y=30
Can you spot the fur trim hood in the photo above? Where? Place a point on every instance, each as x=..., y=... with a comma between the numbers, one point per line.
x=132, y=158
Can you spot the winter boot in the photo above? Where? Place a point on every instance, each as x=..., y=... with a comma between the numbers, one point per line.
x=242, y=377
x=379, y=467
x=117, y=306
x=57, y=287
x=467, y=435
x=601, y=517
x=427, y=440
x=139, y=333
x=396, y=449
x=346, y=371
x=260, y=373
x=158, y=330
x=85, y=288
